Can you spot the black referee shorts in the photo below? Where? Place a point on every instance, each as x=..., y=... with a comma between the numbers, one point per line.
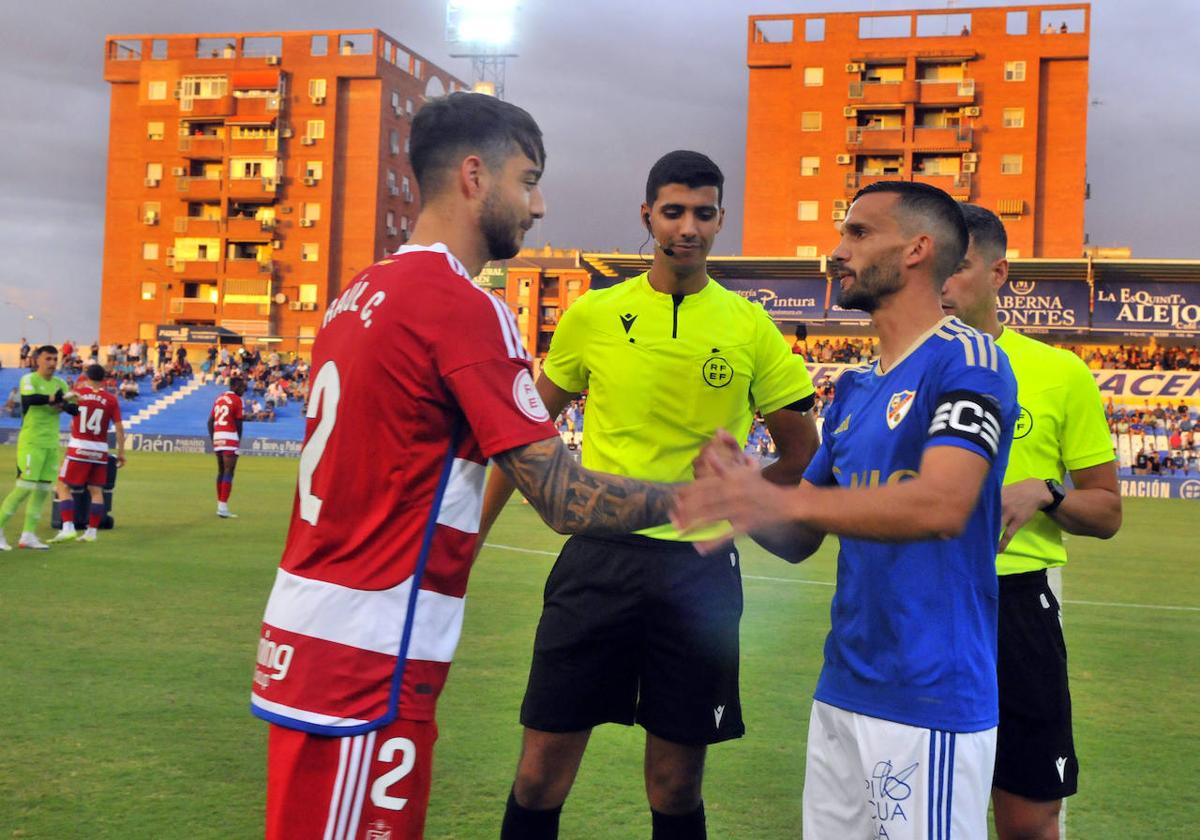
x=639, y=630
x=1035, y=750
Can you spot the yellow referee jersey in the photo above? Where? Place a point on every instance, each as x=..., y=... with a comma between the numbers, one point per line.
x=1061, y=427
x=664, y=372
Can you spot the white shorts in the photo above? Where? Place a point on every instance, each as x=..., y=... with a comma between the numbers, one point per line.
x=869, y=779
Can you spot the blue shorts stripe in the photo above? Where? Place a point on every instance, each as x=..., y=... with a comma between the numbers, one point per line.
x=950, y=787
x=929, y=784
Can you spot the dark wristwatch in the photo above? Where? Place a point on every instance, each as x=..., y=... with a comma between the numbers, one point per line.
x=1057, y=494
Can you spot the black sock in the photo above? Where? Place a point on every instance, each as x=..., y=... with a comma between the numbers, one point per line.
x=526, y=824
x=679, y=826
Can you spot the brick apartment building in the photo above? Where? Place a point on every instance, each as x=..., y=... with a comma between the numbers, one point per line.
x=989, y=104
x=251, y=175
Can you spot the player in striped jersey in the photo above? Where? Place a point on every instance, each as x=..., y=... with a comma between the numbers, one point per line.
x=902, y=732
x=86, y=464
x=419, y=377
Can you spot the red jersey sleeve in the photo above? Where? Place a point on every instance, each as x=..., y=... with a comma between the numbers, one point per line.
x=488, y=371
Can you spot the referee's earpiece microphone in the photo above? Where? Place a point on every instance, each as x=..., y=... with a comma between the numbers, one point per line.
x=668, y=251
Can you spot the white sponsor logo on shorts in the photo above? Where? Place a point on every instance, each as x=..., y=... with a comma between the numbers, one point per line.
x=1061, y=764
x=272, y=657
x=526, y=397
x=718, y=713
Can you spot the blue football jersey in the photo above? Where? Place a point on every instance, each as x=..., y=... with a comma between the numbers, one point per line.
x=913, y=636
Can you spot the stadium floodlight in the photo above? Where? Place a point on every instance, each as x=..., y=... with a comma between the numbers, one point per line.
x=486, y=23
x=483, y=31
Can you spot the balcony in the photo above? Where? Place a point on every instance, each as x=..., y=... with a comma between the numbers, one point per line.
x=205, y=146
x=943, y=138
x=222, y=106
x=857, y=180
x=882, y=93
x=252, y=187
x=193, y=308
x=958, y=185
x=199, y=187
x=197, y=226
x=862, y=139
x=253, y=145
x=249, y=230
x=250, y=268
x=196, y=269
x=952, y=92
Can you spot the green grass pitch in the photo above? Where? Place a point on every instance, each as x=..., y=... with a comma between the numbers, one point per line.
x=125, y=675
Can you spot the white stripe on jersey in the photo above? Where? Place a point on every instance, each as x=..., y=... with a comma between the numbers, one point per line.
x=352, y=768
x=366, y=619
x=92, y=445
x=508, y=324
x=317, y=718
x=968, y=349
x=462, y=503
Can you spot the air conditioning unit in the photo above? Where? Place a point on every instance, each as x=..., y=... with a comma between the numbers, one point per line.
x=294, y=306
x=838, y=215
x=180, y=265
x=150, y=218
x=391, y=231
x=151, y=182
x=969, y=167
x=178, y=171
x=849, y=111
x=267, y=224
x=855, y=67
x=318, y=100
x=393, y=190
x=841, y=204
x=307, y=141
x=170, y=252
x=306, y=223
x=273, y=60
x=276, y=244
x=970, y=157
x=397, y=110
x=971, y=111
x=843, y=159
x=285, y=133
x=310, y=181
x=170, y=262
x=270, y=183
x=308, y=307
x=408, y=197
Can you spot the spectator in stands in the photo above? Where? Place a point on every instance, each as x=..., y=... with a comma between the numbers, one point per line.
x=1190, y=456
x=12, y=407
x=129, y=388
x=1141, y=463
x=1178, y=463
x=25, y=348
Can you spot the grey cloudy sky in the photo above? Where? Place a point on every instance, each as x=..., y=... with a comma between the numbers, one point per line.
x=614, y=84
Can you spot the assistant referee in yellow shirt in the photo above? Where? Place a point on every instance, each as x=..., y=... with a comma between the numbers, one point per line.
x=1061, y=429
x=639, y=628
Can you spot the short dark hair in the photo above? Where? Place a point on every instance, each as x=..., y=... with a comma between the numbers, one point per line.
x=236, y=380
x=95, y=373
x=691, y=169
x=45, y=348
x=938, y=210
x=449, y=127
x=986, y=230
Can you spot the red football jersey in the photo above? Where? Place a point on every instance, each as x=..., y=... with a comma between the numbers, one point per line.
x=418, y=377
x=98, y=410
x=226, y=412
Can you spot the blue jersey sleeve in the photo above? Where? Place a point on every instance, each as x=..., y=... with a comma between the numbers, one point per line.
x=976, y=404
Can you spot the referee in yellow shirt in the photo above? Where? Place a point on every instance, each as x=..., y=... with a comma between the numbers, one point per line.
x=1061, y=429
x=639, y=628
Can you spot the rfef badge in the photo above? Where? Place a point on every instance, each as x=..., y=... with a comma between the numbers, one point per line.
x=717, y=371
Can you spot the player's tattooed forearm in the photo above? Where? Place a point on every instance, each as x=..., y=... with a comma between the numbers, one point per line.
x=573, y=500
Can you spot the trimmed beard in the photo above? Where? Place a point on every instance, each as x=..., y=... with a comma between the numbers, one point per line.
x=498, y=225
x=871, y=285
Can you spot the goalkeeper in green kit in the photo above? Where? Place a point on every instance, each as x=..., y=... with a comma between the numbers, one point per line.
x=43, y=397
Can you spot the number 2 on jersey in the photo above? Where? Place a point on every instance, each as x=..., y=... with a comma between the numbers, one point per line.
x=221, y=414
x=326, y=391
